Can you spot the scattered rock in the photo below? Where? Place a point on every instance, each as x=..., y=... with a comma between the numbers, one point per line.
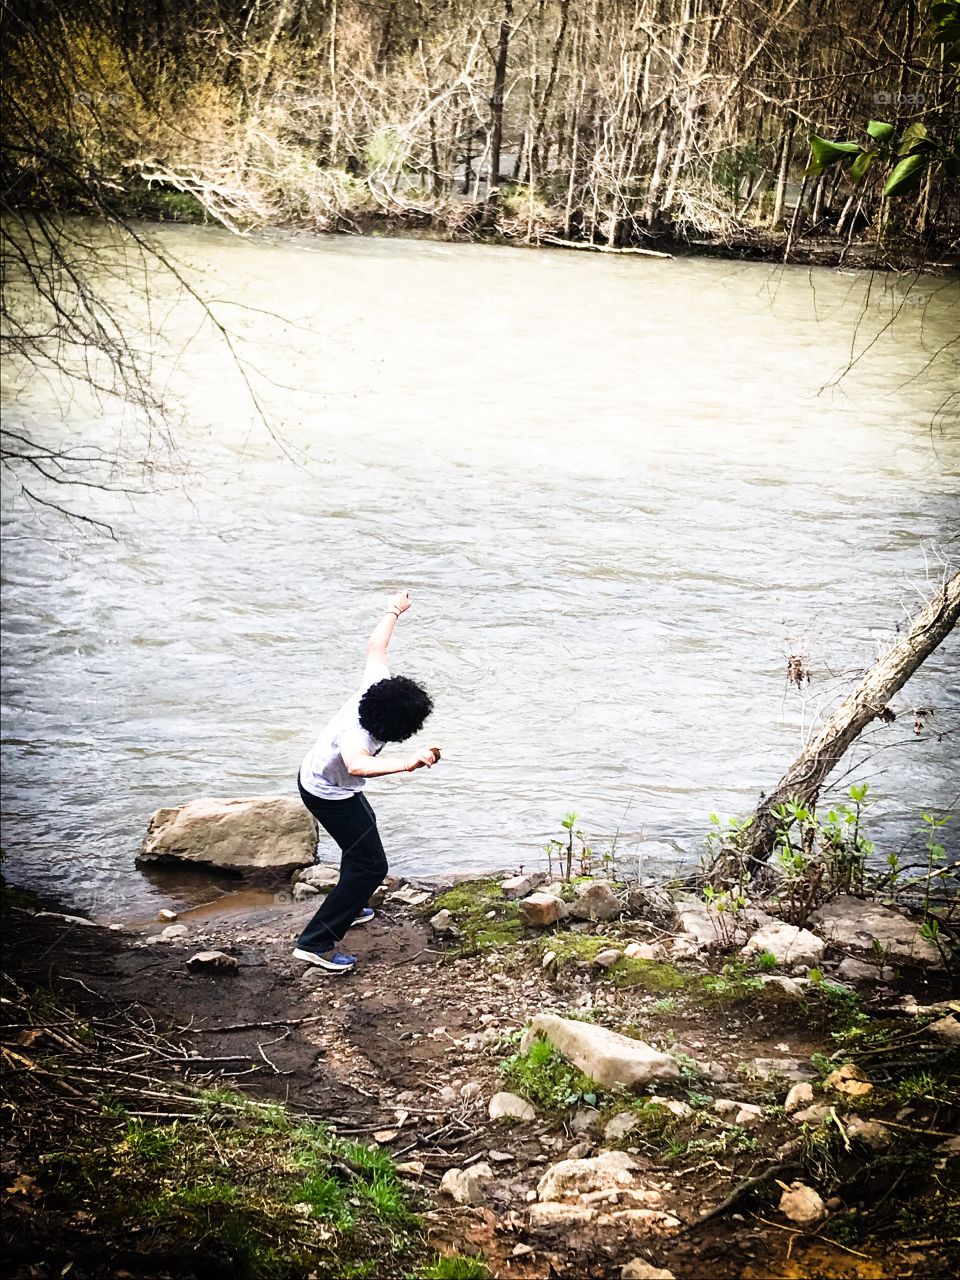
x=521, y=886
x=789, y=1068
x=584, y=1120
x=609, y=1171
x=447, y=1096
x=67, y=919
x=579, y=1150
x=705, y=925
x=857, y=923
x=682, y=1110
x=302, y=891
x=213, y=962
x=242, y=834
x=165, y=913
x=548, y=959
x=472, y=1089
x=802, y=1204
x=552, y=1214
x=322, y=876
x=748, y=1116
x=871, y=1133
x=789, y=944
x=849, y=1079
x=442, y=922
x=409, y=896
x=640, y=1269
x=816, y=1114
x=595, y=900
x=793, y=987
x=414, y=1168
x=500, y=1157
x=384, y=1136
x=801, y=1095
x=606, y=1056
x=542, y=909
x=947, y=1028
x=618, y=1128
x=610, y=956
x=510, y=1106
x=464, y=1186
x=174, y=931
x=851, y=970
x=645, y=951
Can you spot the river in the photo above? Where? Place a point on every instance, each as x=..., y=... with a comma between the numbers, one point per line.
x=621, y=492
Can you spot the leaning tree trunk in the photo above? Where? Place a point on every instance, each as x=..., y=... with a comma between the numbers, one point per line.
x=803, y=780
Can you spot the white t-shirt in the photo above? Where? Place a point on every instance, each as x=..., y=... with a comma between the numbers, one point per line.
x=323, y=772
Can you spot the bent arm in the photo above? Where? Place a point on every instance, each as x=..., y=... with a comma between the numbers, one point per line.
x=361, y=764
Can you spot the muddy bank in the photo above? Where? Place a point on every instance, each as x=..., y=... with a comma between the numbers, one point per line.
x=402, y=1057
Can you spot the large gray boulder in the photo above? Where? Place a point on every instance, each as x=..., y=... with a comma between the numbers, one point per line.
x=606, y=1056
x=253, y=833
x=856, y=924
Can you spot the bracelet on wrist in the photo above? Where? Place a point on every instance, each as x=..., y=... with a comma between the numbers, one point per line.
x=395, y=612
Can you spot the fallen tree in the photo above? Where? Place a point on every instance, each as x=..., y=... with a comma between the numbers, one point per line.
x=802, y=782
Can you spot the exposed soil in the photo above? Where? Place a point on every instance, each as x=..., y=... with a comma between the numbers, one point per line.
x=408, y=1047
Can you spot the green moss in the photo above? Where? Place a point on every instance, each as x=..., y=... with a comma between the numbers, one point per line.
x=485, y=919
x=583, y=948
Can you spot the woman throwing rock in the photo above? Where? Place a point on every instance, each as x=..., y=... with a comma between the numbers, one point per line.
x=384, y=709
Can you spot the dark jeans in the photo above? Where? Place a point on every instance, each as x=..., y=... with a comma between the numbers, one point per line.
x=363, y=866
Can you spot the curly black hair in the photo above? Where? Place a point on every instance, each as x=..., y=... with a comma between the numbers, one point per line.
x=394, y=709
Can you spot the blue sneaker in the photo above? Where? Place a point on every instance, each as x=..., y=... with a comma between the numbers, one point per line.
x=365, y=916
x=333, y=961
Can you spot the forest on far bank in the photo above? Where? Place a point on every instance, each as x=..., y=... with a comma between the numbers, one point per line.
x=613, y=122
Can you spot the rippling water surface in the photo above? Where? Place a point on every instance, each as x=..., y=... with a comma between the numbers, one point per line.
x=621, y=492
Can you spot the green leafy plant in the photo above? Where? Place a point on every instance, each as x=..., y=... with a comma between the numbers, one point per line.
x=548, y=1080
x=456, y=1266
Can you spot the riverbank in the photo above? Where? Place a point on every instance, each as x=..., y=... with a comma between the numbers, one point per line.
x=253, y=1119
x=476, y=223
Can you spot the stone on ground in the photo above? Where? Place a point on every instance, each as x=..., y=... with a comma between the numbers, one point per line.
x=605, y=1056
x=947, y=1028
x=521, y=886
x=705, y=926
x=791, y=946
x=640, y=1269
x=174, y=931
x=849, y=1079
x=859, y=924
x=801, y=1095
x=610, y=1171
x=542, y=909
x=249, y=833
x=302, y=891
x=213, y=962
x=510, y=1106
x=802, y=1204
x=609, y=956
x=871, y=1133
x=644, y=951
x=464, y=1186
x=442, y=922
x=321, y=876
x=595, y=900
x=618, y=1128
x=851, y=970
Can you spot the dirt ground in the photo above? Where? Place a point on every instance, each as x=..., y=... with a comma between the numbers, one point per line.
x=405, y=1051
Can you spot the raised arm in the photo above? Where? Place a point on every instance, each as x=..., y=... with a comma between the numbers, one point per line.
x=382, y=633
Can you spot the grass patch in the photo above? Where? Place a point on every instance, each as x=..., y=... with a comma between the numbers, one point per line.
x=549, y=1081
x=484, y=917
x=251, y=1190
x=456, y=1266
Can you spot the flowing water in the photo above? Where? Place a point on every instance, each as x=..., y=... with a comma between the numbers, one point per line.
x=621, y=491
